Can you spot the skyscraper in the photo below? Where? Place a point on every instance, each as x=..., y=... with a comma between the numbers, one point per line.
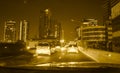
x=10, y=31
x=107, y=10
x=115, y=15
x=44, y=27
x=112, y=17
x=23, y=31
x=49, y=27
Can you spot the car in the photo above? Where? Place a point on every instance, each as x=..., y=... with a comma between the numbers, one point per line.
x=43, y=49
x=57, y=48
x=72, y=49
x=63, y=49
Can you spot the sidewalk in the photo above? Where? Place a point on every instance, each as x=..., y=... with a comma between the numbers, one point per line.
x=101, y=56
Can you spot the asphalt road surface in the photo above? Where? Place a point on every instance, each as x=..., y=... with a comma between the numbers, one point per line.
x=62, y=57
x=56, y=57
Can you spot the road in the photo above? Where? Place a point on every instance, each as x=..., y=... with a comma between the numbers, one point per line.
x=61, y=57
x=56, y=57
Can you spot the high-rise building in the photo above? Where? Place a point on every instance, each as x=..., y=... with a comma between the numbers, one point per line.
x=23, y=31
x=115, y=15
x=110, y=9
x=112, y=14
x=49, y=28
x=93, y=35
x=87, y=23
x=44, y=24
x=10, y=31
x=107, y=10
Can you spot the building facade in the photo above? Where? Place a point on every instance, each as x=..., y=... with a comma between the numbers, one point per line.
x=23, y=30
x=44, y=24
x=10, y=31
x=106, y=10
x=94, y=35
x=112, y=13
x=115, y=14
x=49, y=28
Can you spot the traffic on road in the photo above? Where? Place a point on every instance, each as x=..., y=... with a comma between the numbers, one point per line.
x=59, y=36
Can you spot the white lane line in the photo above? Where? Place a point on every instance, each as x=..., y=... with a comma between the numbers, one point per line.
x=89, y=55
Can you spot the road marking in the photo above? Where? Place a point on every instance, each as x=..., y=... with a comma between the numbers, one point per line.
x=89, y=55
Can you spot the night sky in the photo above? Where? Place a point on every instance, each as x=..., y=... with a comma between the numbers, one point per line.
x=62, y=10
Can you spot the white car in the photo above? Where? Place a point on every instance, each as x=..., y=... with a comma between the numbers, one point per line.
x=43, y=48
x=72, y=49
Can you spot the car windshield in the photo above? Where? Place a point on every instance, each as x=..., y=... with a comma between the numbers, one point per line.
x=76, y=33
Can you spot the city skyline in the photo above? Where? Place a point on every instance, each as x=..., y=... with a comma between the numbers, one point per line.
x=61, y=10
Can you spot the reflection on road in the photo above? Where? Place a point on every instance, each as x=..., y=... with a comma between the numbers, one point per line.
x=56, y=57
